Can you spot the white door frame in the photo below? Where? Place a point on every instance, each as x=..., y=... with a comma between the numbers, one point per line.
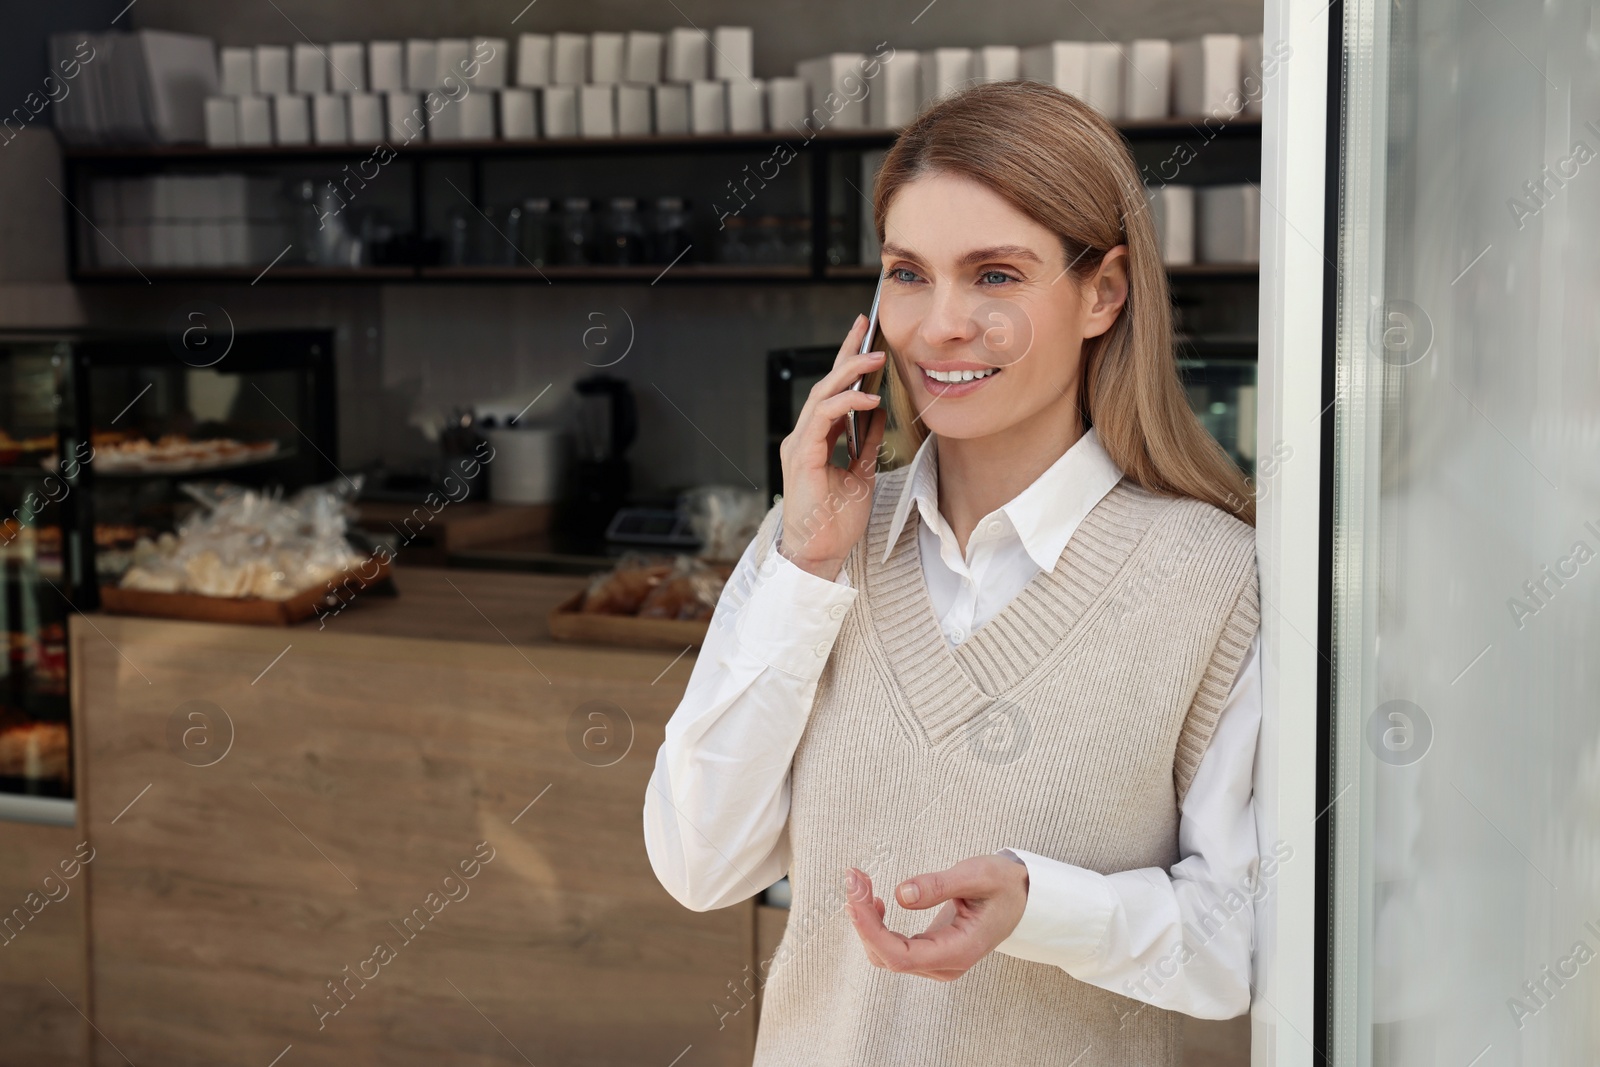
x=1290, y=523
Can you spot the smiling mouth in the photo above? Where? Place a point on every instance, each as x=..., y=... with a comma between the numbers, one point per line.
x=950, y=377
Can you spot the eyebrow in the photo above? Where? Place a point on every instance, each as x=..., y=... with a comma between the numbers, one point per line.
x=977, y=255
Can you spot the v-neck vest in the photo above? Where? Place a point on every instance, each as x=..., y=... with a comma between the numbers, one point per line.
x=1069, y=725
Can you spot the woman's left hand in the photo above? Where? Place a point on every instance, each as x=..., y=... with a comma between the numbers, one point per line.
x=982, y=897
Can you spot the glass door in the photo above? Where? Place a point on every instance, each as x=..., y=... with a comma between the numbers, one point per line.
x=1465, y=841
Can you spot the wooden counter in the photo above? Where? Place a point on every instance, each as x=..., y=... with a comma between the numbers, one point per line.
x=369, y=757
x=42, y=957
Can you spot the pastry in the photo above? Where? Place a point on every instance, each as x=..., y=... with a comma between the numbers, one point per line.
x=621, y=591
x=37, y=750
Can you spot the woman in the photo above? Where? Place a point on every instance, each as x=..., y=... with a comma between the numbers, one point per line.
x=1015, y=678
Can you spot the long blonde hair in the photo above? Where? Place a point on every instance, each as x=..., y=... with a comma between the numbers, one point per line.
x=1055, y=159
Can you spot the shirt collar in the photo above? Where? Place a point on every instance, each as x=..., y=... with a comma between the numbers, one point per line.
x=921, y=484
x=1045, y=515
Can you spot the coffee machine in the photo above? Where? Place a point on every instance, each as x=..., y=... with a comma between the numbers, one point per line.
x=607, y=423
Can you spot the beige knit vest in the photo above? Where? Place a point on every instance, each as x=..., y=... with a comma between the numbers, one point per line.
x=1069, y=725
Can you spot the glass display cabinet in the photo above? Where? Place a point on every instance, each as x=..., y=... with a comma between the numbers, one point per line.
x=255, y=409
x=98, y=433
x=43, y=573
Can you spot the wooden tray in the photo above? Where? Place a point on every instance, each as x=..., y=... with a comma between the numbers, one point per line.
x=251, y=611
x=567, y=623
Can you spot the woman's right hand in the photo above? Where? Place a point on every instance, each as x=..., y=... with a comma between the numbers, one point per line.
x=825, y=508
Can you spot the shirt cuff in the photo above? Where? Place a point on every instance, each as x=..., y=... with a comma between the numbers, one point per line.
x=1067, y=920
x=792, y=619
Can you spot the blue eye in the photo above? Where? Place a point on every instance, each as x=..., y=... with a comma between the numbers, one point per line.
x=995, y=277
x=902, y=274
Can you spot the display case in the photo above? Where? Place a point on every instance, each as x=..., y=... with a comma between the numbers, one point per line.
x=255, y=409
x=98, y=434
x=44, y=574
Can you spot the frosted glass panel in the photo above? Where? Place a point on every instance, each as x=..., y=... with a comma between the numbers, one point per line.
x=1466, y=628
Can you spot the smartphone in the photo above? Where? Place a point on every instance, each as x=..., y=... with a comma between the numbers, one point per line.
x=855, y=434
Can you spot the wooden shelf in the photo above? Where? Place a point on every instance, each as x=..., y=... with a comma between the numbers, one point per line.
x=673, y=143
x=1228, y=271
x=648, y=272
x=851, y=272
x=279, y=273
x=652, y=273
x=1204, y=125
x=1152, y=129
x=682, y=273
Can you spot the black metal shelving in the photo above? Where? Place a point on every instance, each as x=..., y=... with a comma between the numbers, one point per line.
x=1213, y=148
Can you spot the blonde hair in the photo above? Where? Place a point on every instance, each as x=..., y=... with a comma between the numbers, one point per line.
x=1056, y=160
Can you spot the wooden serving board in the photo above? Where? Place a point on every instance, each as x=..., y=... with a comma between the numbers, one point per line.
x=567, y=623
x=250, y=611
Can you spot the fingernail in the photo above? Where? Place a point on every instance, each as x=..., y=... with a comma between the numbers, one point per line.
x=909, y=892
x=852, y=882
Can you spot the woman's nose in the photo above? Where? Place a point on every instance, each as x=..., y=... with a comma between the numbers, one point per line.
x=949, y=319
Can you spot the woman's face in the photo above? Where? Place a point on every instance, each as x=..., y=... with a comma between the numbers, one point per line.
x=985, y=322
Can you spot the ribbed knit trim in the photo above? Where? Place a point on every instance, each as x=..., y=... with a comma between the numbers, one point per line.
x=1231, y=647
x=1015, y=642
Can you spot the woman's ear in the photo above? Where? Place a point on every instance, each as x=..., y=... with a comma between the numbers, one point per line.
x=1106, y=292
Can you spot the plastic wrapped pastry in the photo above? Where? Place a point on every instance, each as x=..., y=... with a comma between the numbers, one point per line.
x=621, y=590
x=689, y=592
x=245, y=543
x=724, y=518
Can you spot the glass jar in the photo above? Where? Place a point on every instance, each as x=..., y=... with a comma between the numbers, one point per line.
x=377, y=239
x=457, y=239
x=501, y=248
x=306, y=226
x=622, y=241
x=333, y=239
x=839, y=250
x=733, y=246
x=533, y=233
x=670, y=237
x=766, y=245
x=577, y=232
x=799, y=242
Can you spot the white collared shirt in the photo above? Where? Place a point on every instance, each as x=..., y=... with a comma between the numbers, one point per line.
x=1010, y=545
x=717, y=807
